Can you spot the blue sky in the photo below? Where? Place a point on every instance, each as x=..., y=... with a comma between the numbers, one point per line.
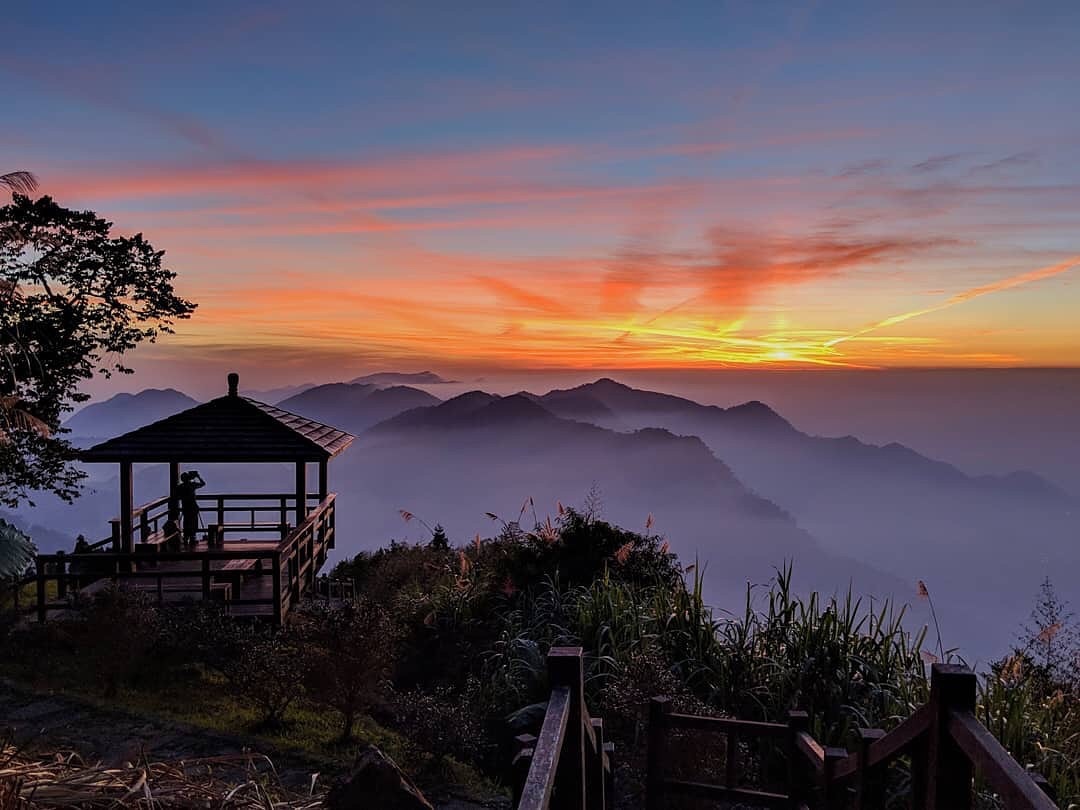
x=493, y=185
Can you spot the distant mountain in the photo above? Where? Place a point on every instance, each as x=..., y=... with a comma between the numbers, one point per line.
x=356, y=406
x=272, y=396
x=576, y=405
x=471, y=409
x=480, y=453
x=125, y=412
x=889, y=505
x=383, y=378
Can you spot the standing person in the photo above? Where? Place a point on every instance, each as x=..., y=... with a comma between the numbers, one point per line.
x=189, y=503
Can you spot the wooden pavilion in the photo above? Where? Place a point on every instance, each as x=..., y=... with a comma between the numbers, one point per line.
x=256, y=553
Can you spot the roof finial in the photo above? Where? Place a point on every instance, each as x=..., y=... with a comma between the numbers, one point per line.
x=234, y=382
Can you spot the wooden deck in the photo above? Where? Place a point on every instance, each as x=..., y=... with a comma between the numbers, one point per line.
x=251, y=577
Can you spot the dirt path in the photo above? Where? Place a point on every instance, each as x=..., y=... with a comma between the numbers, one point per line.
x=38, y=722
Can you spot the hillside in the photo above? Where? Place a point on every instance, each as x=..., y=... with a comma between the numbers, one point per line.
x=124, y=412
x=477, y=453
x=888, y=506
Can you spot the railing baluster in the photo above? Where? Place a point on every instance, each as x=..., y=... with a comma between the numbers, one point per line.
x=798, y=722
x=871, y=786
x=833, y=792
x=659, y=709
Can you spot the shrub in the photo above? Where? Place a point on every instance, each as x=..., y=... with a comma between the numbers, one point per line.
x=350, y=654
x=266, y=672
x=115, y=635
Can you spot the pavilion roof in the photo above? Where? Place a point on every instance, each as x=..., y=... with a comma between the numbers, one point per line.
x=228, y=429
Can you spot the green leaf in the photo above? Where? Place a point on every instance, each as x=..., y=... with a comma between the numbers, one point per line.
x=16, y=550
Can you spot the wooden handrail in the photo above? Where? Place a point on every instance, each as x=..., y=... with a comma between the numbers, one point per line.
x=1006, y=776
x=569, y=763
x=944, y=738
x=540, y=783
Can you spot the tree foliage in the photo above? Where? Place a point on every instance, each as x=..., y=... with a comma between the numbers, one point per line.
x=74, y=298
x=16, y=550
x=350, y=656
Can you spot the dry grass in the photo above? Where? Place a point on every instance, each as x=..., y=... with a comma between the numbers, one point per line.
x=239, y=782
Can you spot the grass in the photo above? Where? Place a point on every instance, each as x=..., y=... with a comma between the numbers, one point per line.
x=309, y=736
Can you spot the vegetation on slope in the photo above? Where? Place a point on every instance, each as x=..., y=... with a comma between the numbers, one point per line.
x=447, y=646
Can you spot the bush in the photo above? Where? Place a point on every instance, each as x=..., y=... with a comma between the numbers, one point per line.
x=266, y=672
x=115, y=635
x=445, y=722
x=350, y=655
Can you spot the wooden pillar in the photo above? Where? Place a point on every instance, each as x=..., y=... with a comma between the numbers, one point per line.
x=870, y=784
x=566, y=668
x=833, y=793
x=301, y=492
x=174, y=480
x=949, y=771
x=798, y=722
x=127, y=507
x=324, y=483
x=659, y=709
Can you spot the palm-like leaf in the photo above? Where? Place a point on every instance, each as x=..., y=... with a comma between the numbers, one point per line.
x=16, y=551
x=14, y=417
x=19, y=182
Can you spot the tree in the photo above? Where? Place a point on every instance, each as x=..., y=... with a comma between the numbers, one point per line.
x=439, y=540
x=1050, y=639
x=73, y=300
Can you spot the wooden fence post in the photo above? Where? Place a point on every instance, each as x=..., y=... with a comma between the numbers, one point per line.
x=566, y=668
x=61, y=576
x=832, y=792
x=798, y=721
x=595, y=787
x=949, y=771
x=659, y=709
x=871, y=787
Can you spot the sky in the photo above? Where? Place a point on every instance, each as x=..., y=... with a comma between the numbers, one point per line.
x=345, y=187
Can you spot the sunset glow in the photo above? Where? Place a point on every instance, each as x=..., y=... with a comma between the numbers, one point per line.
x=798, y=187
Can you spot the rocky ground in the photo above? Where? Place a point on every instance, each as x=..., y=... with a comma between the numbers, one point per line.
x=38, y=723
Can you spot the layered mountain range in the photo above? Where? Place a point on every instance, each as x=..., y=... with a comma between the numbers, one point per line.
x=738, y=489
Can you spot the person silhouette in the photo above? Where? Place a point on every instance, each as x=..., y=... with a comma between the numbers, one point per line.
x=171, y=530
x=190, y=482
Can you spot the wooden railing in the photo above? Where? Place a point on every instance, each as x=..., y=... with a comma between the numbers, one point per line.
x=302, y=554
x=293, y=565
x=568, y=766
x=944, y=741
x=258, y=510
